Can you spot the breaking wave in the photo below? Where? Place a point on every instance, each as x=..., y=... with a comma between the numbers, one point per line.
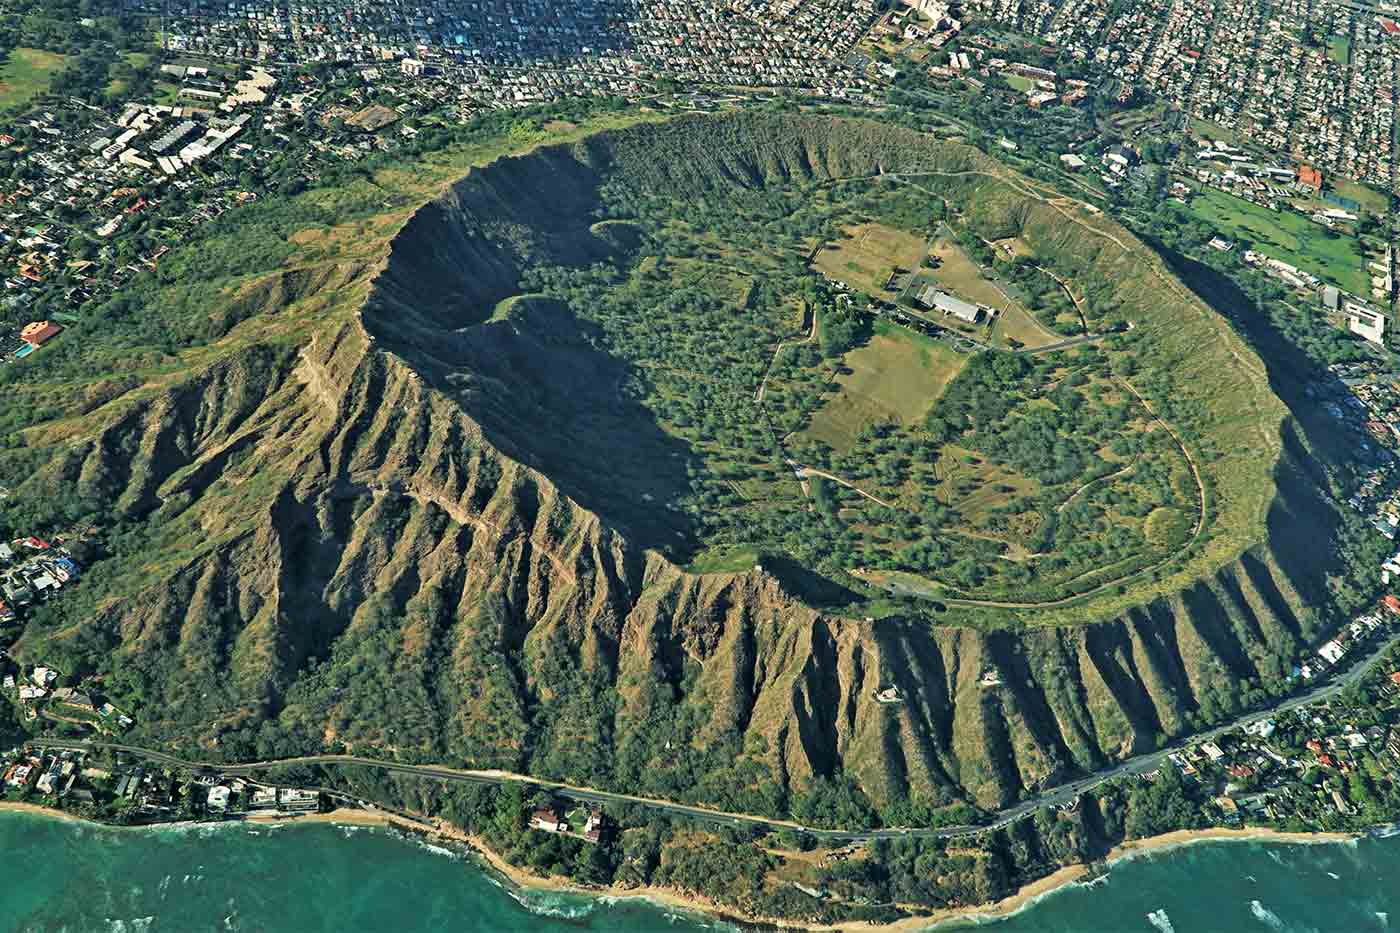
x=550, y=904
x=1265, y=915
x=1160, y=920
x=135, y=925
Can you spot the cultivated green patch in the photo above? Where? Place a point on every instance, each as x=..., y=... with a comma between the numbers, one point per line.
x=1333, y=255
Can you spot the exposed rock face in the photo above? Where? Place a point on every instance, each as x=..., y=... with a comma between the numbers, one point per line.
x=361, y=541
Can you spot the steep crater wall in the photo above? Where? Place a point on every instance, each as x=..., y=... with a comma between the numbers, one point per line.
x=375, y=551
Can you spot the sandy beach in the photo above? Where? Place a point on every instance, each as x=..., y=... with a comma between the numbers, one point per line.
x=1011, y=904
x=8, y=806
x=1185, y=837
x=1071, y=873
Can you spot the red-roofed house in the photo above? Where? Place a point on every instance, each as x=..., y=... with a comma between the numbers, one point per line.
x=1392, y=603
x=1395, y=678
x=1391, y=29
x=1310, y=176
x=36, y=333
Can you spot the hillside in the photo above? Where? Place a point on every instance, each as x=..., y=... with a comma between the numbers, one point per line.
x=370, y=501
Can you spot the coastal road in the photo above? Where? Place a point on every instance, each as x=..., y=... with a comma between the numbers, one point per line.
x=1058, y=796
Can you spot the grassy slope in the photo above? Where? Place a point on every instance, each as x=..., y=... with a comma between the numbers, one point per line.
x=1194, y=363
x=26, y=73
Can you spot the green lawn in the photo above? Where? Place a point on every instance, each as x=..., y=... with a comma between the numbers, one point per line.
x=137, y=60
x=724, y=559
x=1020, y=83
x=1339, y=49
x=897, y=375
x=1212, y=131
x=1336, y=257
x=166, y=92
x=26, y=74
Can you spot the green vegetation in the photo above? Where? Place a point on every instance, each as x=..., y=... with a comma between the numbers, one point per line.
x=1331, y=255
x=26, y=74
x=896, y=376
x=1028, y=477
x=1051, y=468
x=1339, y=49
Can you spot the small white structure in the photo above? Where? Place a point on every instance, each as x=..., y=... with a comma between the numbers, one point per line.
x=889, y=695
x=217, y=801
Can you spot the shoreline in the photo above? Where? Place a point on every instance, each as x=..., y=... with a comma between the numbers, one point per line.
x=519, y=877
x=35, y=809
x=1023, y=898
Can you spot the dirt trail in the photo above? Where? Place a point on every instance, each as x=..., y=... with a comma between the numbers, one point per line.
x=805, y=471
x=791, y=342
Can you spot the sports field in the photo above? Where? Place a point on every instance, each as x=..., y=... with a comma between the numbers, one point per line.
x=1369, y=198
x=897, y=376
x=26, y=74
x=868, y=255
x=1330, y=255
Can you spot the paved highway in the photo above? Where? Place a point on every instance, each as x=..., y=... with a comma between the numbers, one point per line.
x=1059, y=795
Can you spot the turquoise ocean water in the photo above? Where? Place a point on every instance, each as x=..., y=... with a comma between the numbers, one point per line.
x=56, y=875
x=1254, y=887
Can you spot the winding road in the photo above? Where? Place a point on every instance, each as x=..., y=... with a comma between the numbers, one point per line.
x=1060, y=795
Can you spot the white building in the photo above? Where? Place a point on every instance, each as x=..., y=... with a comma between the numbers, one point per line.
x=1366, y=323
x=1332, y=652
